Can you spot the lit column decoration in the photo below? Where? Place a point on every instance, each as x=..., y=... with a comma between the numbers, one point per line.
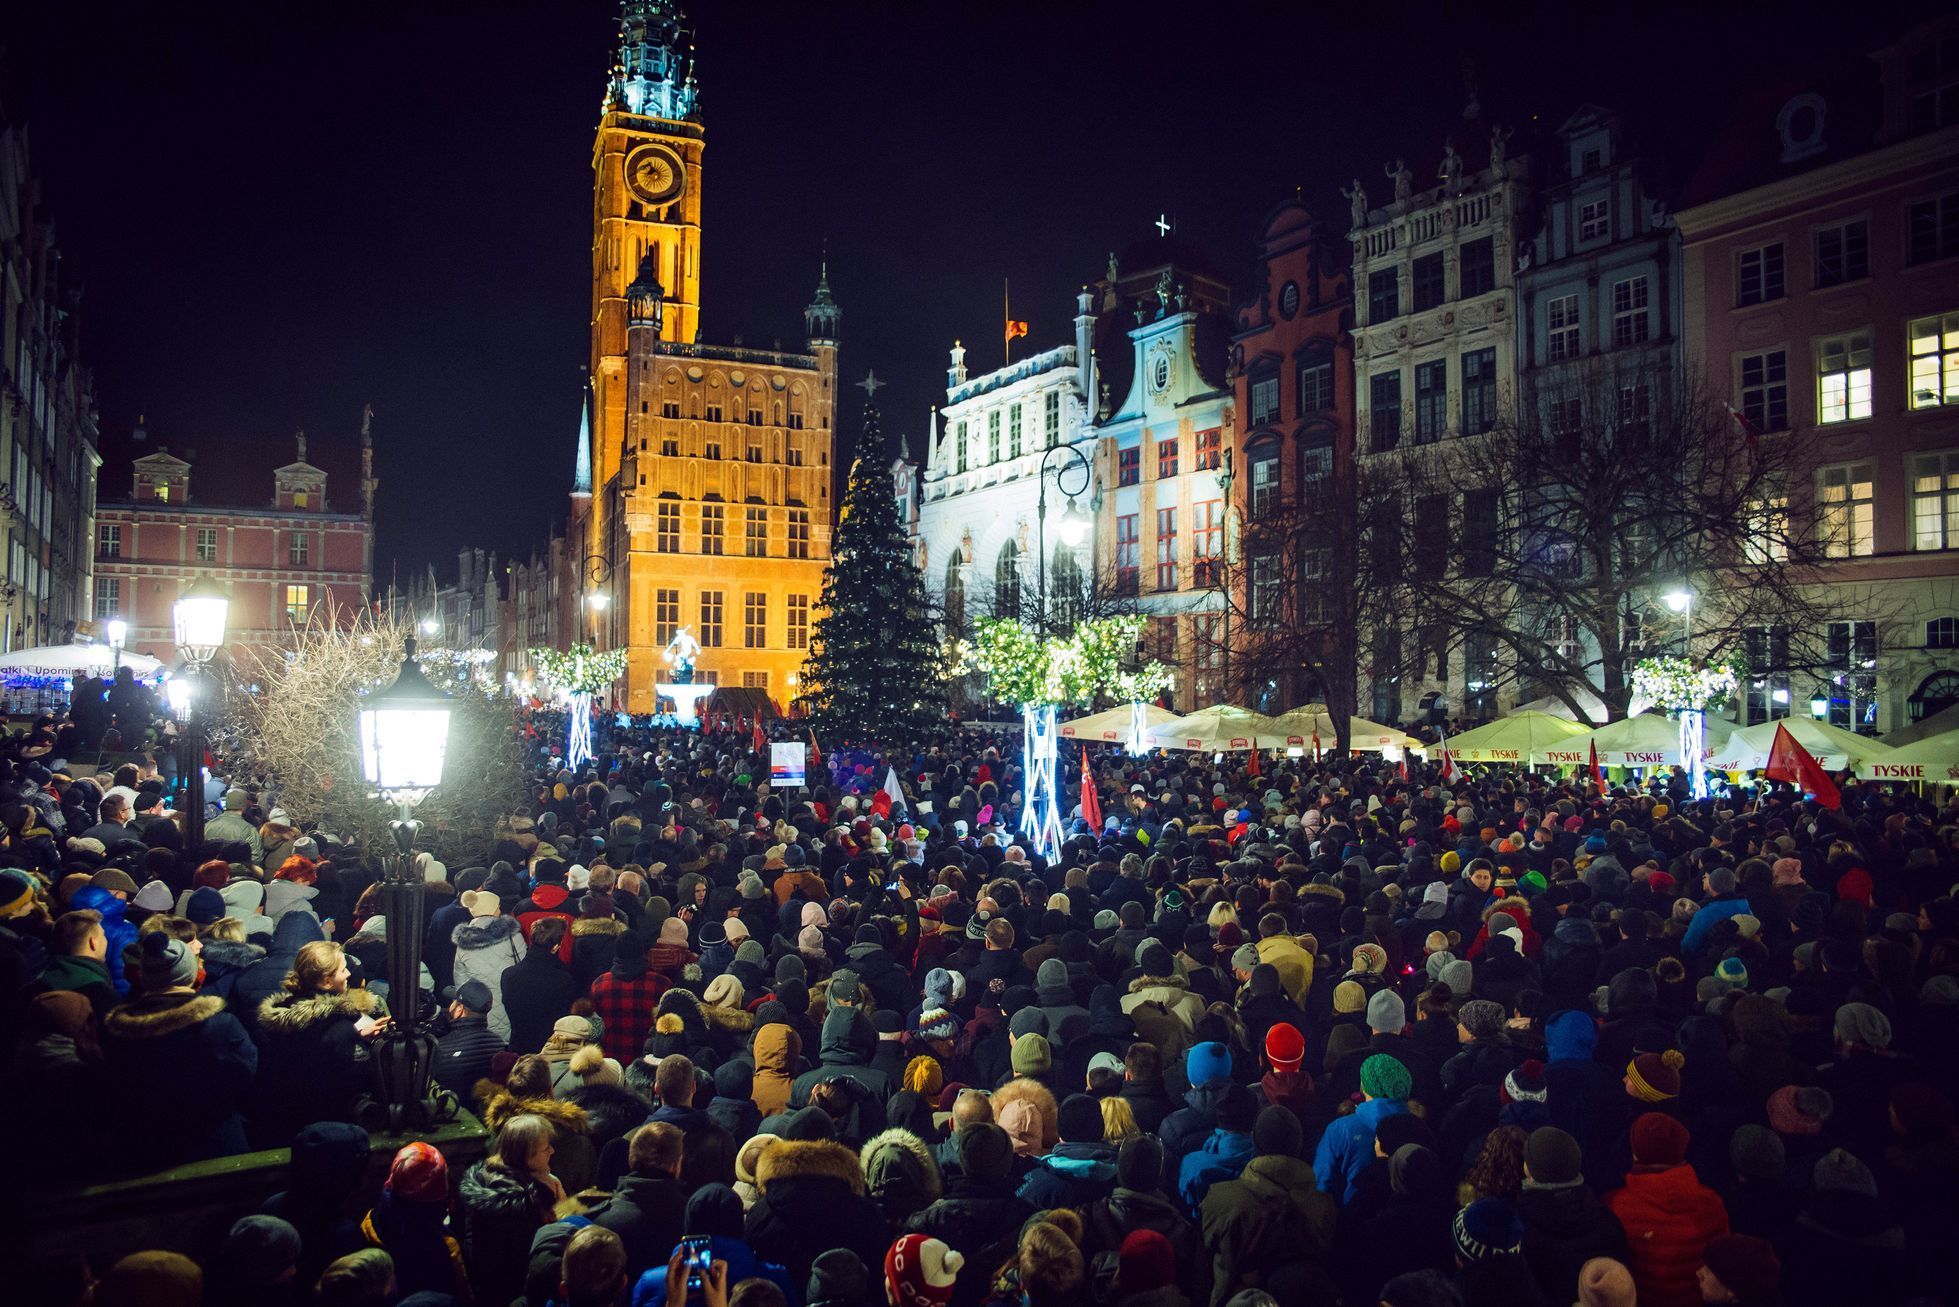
x=577, y=674
x=404, y=743
x=1690, y=693
x=1040, y=675
x=198, y=619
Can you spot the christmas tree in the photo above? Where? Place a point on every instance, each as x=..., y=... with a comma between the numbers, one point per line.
x=876, y=670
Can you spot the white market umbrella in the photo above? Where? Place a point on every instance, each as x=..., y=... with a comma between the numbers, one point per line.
x=1648, y=740
x=1363, y=735
x=1934, y=758
x=1833, y=747
x=1221, y=728
x=1512, y=738
x=62, y=661
x=1113, y=726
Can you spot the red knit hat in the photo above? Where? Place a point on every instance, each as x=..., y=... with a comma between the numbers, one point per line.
x=419, y=1174
x=1146, y=1262
x=1285, y=1047
x=918, y=1272
x=1659, y=1140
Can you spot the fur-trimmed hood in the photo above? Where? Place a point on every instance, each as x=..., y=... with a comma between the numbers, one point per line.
x=156, y=1015
x=499, y=1105
x=597, y=926
x=483, y=932
x=228, y=953
x=288, y=1014
x=728, y=1018
x=1142, y=983
x=898, y=1152
x=794, y=1159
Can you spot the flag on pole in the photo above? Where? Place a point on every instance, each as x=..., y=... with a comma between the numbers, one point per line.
x=1789, y=761
x=1252, y=767
x=1015, y=330
x=815, y=754
x=1747, y=428
x=1448, y=760
x=1598, y=775
x=1401, y=769
x=1316, y=745
x=761, y=737
x=1091, y=802
x=889, y=795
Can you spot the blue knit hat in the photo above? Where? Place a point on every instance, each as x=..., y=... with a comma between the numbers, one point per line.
x=1488, y=1227
x=1205, y=1063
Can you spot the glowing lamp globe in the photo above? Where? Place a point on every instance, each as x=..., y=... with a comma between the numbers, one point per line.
x=1678, y=600
x=118, y=632
x=1074, y=524
x=179, y=690
x=405, y=734
x=199, y=616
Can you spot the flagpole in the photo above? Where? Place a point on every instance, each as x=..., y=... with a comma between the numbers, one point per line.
x=1006, y=323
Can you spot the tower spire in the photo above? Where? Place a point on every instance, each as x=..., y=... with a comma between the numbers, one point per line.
x=581, y=476
x=654, y=72
x=823, y=318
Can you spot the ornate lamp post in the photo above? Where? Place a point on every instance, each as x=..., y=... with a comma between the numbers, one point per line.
x=118, y=634
x=199, y=618
x=404, y=741
x=1074, y=523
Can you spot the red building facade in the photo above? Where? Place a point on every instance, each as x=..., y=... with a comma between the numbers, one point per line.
x=281, y=560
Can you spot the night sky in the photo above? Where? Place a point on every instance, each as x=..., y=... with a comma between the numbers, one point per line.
x=281, y=211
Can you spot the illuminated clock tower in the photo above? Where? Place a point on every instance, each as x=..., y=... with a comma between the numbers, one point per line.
x=646, y=203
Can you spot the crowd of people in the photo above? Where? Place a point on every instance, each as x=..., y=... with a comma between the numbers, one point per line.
x=1314, y=1032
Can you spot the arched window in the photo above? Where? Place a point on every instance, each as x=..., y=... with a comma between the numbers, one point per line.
x=955, y=597
x=1066, y=594
x=1935, y=693
x=1006, y=582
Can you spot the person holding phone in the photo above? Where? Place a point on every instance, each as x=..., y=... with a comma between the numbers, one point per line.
x=312, y=1036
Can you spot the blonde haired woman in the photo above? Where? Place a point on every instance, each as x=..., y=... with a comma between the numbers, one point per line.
x=1118, y=1121
x=502, y=1200
x=313, y=1061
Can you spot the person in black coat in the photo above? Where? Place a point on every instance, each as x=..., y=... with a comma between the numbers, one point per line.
x=438, y=939
x=192, y=1061
x=539, y=989
x=1565, y=1224
x=647, y=1206
x=313, y=1061
x=465, y=1049
x=1411, y=1230
x=812, y=1200
x=732, y=1108
x=266, y=977
x=979, y=1216
x=329, y=1162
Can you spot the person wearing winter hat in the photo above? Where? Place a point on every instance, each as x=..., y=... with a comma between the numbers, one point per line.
x=1488, y=1227
x=1565, y=1225
x=838, y=1278
x=920, y=1271
x=408, y=1223
x=259, y=1258
x=1347, y=1145
x=1667, y=1213
x=1740, y=1268
x=1605, y=1282
x=1655, y=1077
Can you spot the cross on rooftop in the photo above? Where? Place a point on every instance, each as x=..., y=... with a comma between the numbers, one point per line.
x=1162, y=224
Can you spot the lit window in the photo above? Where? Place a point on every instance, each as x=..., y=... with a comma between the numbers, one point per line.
x=1565, y=338
x=1843, y=378
x=1935, y=501
x=1765, y=536
x=755, y=680
x=163, y=492
x=297, y=604
x=1629, y=318
x=1935, y=361
x=1847, y=507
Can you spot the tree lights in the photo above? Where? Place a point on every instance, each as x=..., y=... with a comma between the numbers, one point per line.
x=1681, y=687
x=577, y=674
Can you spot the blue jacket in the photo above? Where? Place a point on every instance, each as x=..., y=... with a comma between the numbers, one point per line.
x=1706, y=919
x=114, y=924
x=1073, y=1175
x=1222, y=1157
x=1348, y=1146
x=651, y=1291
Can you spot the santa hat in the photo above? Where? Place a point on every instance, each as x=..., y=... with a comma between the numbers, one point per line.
x=918, y=1272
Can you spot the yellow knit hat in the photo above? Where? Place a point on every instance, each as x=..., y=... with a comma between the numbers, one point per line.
x=924, y=1078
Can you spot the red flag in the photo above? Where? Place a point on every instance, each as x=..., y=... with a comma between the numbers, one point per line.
x=1252, y=767
x=1747, y=428
x=1015, y=328
x=1448, y=761
x=1401, y=769
x=1091, y=802
x=881, y=804
x=1598, y=774
x=815, y=754
x=761, y=737
x=1316, y=744
x=1789, y=761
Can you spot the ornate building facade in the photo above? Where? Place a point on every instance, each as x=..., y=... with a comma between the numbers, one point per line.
x=702, y=495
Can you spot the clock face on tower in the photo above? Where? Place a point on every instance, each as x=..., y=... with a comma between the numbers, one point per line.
x=654, y=175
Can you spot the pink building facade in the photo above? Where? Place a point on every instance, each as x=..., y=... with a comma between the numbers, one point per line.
x=1821, y=273
x=282, y=561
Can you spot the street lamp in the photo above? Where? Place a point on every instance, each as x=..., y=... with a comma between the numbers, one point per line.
x=198, y=618
x=404, y=742
x=1682, y=601
x=118, y=632
x=430, y=626
x=1074, y=523
x=1819, y=705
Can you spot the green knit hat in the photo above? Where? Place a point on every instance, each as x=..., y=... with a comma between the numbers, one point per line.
x=1383, y=1077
